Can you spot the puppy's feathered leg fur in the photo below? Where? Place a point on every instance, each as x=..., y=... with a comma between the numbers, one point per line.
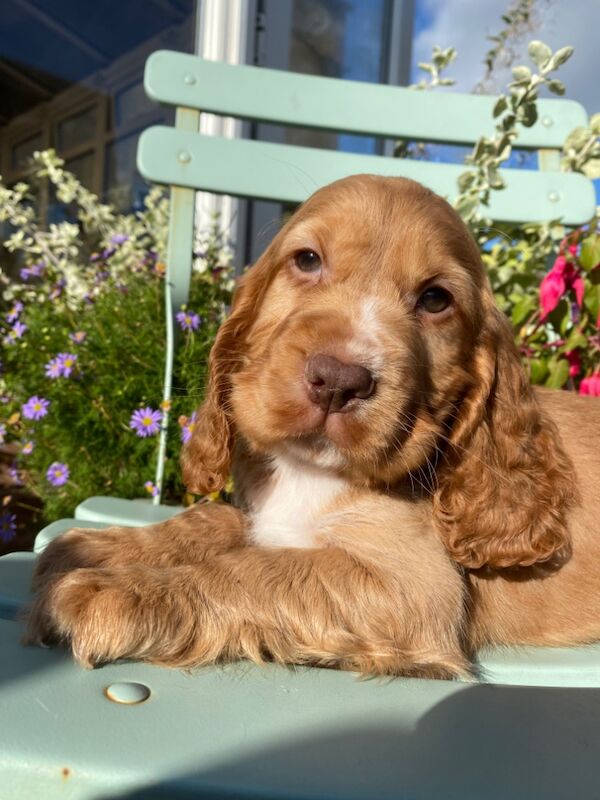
x=335, y=605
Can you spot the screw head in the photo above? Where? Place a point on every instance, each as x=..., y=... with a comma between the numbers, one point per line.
x=553, y=196
x=547, y=121
x=189, y=79
x=127, y=693
x=184, y=157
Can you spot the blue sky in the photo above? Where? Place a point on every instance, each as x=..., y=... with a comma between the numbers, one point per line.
x=465, y=24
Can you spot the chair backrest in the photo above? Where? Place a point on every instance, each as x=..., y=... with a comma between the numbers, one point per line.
x=181, y=157
x=186, y=160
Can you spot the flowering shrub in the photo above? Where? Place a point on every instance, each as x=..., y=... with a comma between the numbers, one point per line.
x=545, y=277
x=83, y=337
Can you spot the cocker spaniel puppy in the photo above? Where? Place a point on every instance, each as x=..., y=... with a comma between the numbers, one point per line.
x=403, y=495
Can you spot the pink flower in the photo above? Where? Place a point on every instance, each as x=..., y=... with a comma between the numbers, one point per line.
x=590, y=385
x=574, y=360
x=562, y=277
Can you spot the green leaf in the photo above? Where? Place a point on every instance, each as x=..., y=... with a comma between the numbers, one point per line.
x=575, y=339
x=560, y=318
x=522, y=309
x=500, y=106
x=465, y=181
x=466, y=205
x=508, y=122
x=560, y=57
x=539, y=53
x=556, y=86
x=589, y=256
x=591, y=170
x=528, y=115
x=521, y=74
x=538, y=370
x=559, y=373
x=592, y=301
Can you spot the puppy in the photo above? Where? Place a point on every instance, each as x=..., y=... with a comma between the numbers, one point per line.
x=403, y=495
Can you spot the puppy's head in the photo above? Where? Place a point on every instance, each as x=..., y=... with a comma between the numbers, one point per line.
x=366, y=341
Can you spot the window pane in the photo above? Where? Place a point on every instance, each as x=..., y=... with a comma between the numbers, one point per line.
x=64, y=62
x=125, y=188
x=77, y=129
x=24, y=150
x=339, y=39
x=132, y=103
x=83, y=169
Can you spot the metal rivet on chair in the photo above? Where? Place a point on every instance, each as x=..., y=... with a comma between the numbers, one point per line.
x=553, y=196
x=547, y=121
x=184, y=157
x=189, y=79
x=128, y=693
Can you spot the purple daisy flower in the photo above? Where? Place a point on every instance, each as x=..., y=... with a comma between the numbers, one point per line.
x=8, y=526
x=187, y=427
x=145, y=421
x=119, y=238
x=27, y=448
x=78, y=337
x=151, y=488
x=34, y=271
x=35, y=408
x=17, y=330
x=15, y=475
x=67, y=363
x=53, y=368
x=57, y=288
x=101, y=276
x=57, y=474
x=188, y=321
x=13, y=314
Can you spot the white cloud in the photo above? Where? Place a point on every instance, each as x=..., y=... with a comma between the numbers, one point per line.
x=464, y=24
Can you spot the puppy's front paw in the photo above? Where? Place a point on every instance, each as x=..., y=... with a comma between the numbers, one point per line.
x=78, y=548
x=95, y=611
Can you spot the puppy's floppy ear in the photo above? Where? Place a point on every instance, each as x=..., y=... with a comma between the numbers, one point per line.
x=206, y=458
x=504, y=496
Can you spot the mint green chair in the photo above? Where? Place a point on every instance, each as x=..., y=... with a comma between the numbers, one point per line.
x=527, y=729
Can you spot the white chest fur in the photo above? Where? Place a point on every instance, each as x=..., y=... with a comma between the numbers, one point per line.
x=285, y=513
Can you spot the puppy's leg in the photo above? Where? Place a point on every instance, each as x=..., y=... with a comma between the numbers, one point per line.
x=189, y=537
x=370, y=600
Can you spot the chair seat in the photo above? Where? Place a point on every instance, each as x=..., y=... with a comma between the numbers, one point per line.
x=248, y=732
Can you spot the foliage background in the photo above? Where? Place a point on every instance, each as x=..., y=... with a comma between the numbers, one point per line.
x=103, y=278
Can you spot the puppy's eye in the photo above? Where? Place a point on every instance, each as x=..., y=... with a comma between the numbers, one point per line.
x=307, y=261
x=434, y=300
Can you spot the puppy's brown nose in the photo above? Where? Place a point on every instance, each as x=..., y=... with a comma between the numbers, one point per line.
x=332, y=384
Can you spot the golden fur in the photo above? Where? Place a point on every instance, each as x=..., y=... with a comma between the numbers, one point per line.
x=453, y=507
